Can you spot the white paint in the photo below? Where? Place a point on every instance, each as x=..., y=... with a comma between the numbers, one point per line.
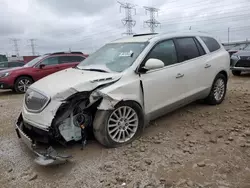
x=162, y=86
x=153, y=64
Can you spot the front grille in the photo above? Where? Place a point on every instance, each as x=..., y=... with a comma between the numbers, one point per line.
x=35, y=101
x=243, y=63
x=245, y=58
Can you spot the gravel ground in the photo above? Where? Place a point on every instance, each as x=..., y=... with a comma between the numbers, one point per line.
x=196, y=146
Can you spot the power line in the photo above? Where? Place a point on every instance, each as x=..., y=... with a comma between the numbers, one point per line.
x=32, y=45
x=216, y=20
x=152, y=22
x=236, y=17
x=206, y=4
x=15, y=43
x=128, y=20
x=101, y=26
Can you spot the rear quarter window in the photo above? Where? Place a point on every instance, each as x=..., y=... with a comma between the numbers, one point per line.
x=211, y=43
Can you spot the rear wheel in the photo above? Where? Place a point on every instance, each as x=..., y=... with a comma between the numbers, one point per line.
x=22, y=83
x=236, y=72
x=218, y=91
x=119, y=126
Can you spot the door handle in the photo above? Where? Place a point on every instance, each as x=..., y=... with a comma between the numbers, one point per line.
x=207, y=66
x=179, y=75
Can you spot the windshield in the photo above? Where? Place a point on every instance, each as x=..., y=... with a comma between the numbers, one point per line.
x=113, y=57
x=34, y=61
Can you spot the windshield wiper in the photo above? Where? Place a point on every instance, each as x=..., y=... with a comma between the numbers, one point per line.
x=97, y=70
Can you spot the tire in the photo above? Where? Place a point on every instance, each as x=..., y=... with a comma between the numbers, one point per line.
x=102, y=131
x=236, y=73
x=22, y=80
x=213, y=98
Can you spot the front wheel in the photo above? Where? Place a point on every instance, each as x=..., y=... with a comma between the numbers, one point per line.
x=119, y=126
x=218, y=90
x=22, y=83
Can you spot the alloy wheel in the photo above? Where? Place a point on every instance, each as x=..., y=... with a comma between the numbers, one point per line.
x=219, y=89
x=23, y=84
x=123, y=124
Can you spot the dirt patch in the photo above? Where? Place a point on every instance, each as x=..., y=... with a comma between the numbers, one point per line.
x=196, y=146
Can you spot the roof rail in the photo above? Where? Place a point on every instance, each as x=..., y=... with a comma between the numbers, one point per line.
x=143, y=34
x=56, y=53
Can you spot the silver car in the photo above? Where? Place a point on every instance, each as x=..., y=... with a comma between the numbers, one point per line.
x=240, y=61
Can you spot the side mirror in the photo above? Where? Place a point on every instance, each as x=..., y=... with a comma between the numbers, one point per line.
x=153, y=64
x=41, y=66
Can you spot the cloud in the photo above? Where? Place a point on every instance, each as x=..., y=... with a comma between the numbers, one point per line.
x=88, y=24
x=77, y=7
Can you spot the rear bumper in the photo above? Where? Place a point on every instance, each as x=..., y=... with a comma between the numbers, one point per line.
x=45, y=156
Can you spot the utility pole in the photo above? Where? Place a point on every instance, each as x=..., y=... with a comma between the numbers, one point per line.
x=128, y=20
x=152, y=22
x=32, y=44
x=228, y=32
x=15, y=43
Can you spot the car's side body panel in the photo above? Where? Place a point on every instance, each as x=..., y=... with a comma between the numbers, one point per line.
x=157, y=91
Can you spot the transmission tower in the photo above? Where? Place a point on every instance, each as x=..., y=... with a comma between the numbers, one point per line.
x=15, y=43
x=152, y=22
x=128, y=20
x=32, y=44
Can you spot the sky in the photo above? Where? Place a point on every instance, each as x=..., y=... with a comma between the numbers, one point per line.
x=86, y=25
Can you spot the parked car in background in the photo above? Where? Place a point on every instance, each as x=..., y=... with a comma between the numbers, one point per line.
x=236, y=49
x=20, y=78
x=121, y=87
x=11, y=64
x=240, y=61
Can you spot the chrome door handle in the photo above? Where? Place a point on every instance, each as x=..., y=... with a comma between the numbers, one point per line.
x=207, y=66
x=179, y=75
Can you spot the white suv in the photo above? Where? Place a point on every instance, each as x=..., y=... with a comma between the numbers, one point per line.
x=121, y=87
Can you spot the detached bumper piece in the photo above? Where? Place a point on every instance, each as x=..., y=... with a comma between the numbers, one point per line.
x=44, y=157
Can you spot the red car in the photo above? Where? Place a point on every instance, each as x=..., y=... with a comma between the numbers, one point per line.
x=19, y=78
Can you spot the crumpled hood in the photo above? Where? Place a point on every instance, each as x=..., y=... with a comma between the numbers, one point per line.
x=63, y=84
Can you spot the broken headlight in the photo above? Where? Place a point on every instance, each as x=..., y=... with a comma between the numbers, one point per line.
x=35, y=101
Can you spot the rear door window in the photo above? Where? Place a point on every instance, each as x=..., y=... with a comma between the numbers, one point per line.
x=200, y=48
x=211, y=43
x=51, y=61
x=187, y=49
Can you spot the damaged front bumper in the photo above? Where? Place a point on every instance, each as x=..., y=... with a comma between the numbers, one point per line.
x=44, y=157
